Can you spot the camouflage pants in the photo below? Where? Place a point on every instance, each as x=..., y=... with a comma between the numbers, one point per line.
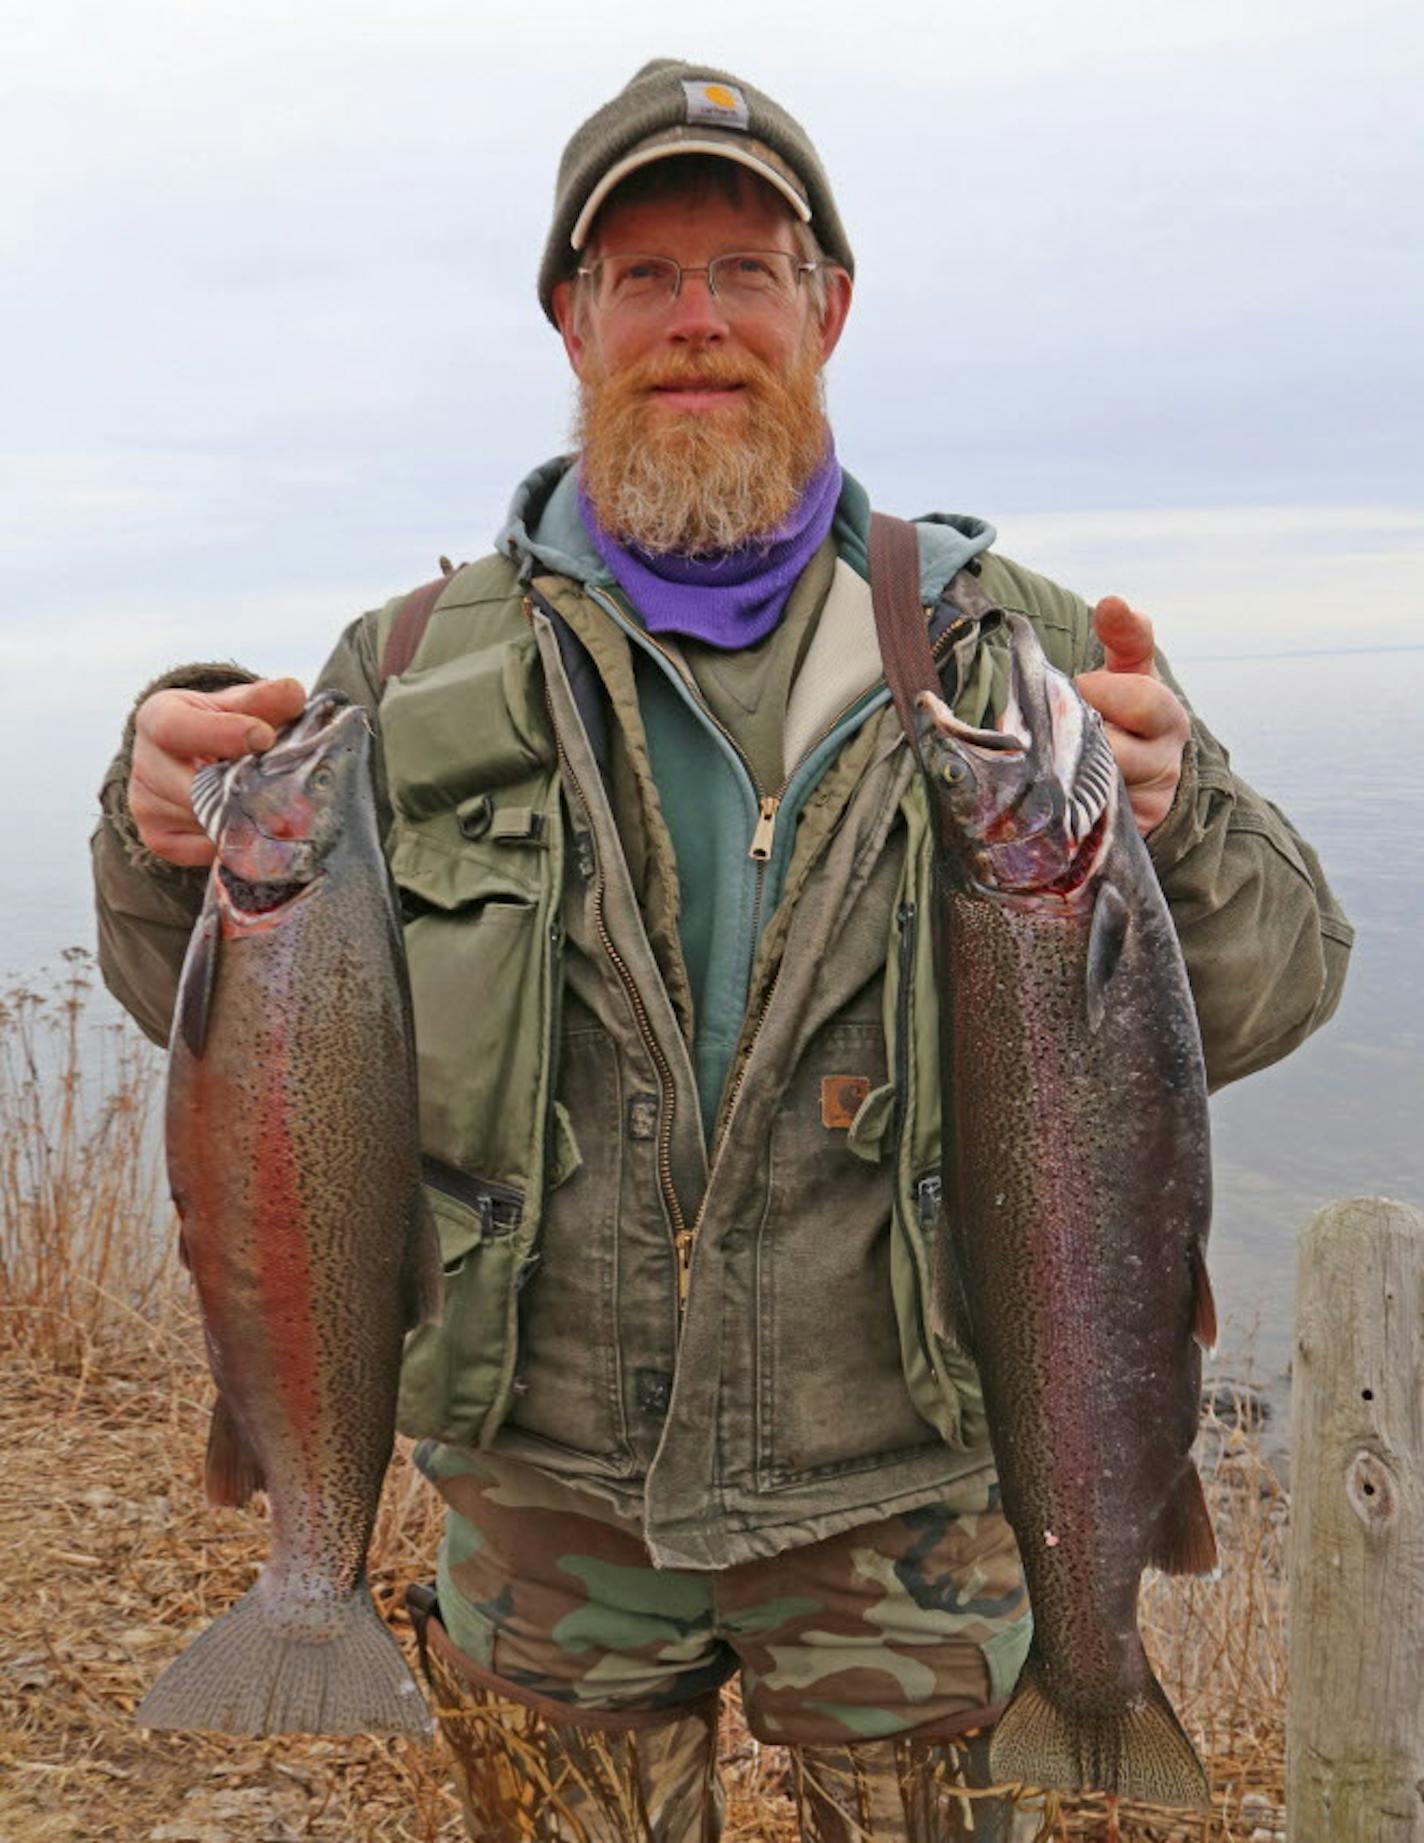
x=577, y=1685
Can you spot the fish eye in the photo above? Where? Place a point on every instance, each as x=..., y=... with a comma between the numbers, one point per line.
x=321, y=778
x=956, y=771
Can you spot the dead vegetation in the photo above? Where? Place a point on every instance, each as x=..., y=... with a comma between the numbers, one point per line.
x=110, y=1558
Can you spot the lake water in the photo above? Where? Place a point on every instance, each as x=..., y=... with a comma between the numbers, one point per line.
x=1334, y=738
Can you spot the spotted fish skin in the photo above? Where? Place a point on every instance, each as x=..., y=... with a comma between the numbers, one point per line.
x=1077, y=1202
x=293, y=1154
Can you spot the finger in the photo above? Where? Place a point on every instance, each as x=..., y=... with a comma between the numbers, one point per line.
x=1126, y=636
x=168, y=827
x=159, y=783
x=1144, y=706
x=274, y=700
x=186, y=849
x=189, y=726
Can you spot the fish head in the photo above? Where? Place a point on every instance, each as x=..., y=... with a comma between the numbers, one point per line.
x=1024, y=809
x=277, y=817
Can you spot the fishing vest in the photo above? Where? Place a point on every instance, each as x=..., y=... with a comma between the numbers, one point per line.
x=750, y=1355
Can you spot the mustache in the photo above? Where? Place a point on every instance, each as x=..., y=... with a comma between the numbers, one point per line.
x=667, y=370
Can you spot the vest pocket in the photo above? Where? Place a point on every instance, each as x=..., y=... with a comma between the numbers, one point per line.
x=827, y=1329
x=570, y=1391
x=476, y=956
x=453, y=1373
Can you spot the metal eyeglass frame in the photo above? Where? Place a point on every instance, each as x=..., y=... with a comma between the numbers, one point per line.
x=801, y=267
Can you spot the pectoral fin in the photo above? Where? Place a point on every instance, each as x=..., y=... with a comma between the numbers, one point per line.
x=195, y=988
x=1203, y=1301
x=1106, y=940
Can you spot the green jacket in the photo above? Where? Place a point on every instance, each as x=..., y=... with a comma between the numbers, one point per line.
x=686, y=1222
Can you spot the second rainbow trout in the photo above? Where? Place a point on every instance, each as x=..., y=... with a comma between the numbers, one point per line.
x=1077, y=1186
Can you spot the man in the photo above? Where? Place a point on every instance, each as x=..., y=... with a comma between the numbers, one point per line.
x=664, y=859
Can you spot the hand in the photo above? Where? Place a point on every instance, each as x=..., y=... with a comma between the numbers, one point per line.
x=1146, y=722
x=175, y=733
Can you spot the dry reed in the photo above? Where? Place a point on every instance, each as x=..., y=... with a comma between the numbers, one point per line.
x=109, y=1557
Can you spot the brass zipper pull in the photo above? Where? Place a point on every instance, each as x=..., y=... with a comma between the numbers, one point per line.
x=683, y=1242
x=765, y=829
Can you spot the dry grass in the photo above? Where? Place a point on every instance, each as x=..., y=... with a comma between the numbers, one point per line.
x=110, y=1558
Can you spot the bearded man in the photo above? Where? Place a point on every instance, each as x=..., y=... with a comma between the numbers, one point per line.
x=664, y=860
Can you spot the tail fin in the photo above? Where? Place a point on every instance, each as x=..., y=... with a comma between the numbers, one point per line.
x=1137, y=1751
x=249, y=1673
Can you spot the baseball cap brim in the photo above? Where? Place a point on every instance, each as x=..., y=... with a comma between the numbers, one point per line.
x=754, y=155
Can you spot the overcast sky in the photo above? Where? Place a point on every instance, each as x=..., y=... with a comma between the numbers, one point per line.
x=1140, y=283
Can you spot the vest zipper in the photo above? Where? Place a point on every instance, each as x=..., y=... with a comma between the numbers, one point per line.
x=682, y=1237
x=765, y=829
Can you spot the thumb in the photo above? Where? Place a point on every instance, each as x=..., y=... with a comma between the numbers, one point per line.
x=1126, y=637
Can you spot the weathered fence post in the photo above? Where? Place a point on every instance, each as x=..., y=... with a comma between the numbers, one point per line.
x=1355, y=1727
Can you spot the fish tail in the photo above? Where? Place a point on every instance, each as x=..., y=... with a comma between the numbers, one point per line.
x=1139, y=1750
x=251, y=1673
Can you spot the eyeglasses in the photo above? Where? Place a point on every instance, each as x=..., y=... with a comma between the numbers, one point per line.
x=744, y=281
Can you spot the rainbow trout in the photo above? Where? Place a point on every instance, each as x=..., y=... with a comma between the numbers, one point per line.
x=1077, y=1192
x=294, y=1159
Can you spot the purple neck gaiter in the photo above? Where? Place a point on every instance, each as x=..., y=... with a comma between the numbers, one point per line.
x=731, y=600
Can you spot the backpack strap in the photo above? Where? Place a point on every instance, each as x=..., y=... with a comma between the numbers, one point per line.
x=900, y=617
x=408, y=628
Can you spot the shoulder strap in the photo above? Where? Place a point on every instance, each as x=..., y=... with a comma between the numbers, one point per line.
x=408, y=628
x=900, y=616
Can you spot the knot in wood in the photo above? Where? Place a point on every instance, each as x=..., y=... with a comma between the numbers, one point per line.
x=1370, y=1487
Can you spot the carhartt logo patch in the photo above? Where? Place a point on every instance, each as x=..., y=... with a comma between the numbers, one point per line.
x=716, y=105
x=842, y=1097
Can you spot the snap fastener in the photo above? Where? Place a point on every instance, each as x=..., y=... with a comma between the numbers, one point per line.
x=475, y=817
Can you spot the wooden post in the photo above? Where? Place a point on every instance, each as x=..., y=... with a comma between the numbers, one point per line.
x=1355, y=1726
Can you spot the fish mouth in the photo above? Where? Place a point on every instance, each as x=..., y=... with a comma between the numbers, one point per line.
x=268, y=902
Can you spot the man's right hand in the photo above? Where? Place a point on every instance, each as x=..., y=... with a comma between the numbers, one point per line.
x=176, y=733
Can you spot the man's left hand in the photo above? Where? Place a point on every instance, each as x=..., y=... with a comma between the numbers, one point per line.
x=1147, y=724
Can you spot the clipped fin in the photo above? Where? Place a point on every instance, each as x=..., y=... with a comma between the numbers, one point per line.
x=1184, y=1541
x=1203, y=1301
x=422, y=1272
x=1137, y=1749
x=231, y=1470
x=195, y=988
x=252, y=1672
x=1105, y=944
